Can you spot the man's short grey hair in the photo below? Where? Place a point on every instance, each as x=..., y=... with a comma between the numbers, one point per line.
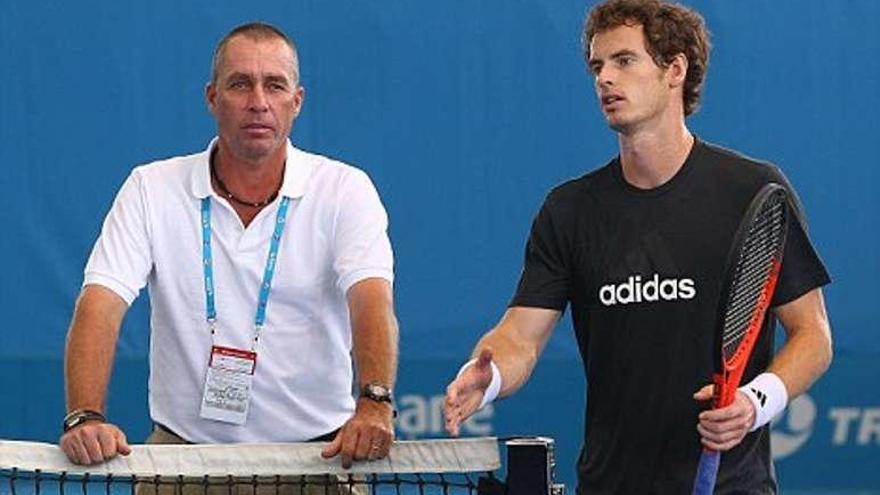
x=257, y=31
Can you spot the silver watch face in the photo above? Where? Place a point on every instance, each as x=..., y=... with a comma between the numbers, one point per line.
x=376, y=391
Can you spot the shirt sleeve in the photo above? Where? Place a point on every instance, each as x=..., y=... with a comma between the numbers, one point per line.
x=546, y=275
x=362, y=248
x=121, y=259
x=802, y=269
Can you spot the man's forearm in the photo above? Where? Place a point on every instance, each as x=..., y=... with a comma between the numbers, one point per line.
x=374, y=332
x=801, y=361
x=807, y=352
x=91, y=342
x=515, y=362
x=517, y=342
x=376, y=351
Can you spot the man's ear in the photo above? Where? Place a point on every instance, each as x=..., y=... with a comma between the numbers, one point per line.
x=677, y=70
x=299, y=98
x=210, y=96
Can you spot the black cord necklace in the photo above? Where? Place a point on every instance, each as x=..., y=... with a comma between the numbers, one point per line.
x=232, y=197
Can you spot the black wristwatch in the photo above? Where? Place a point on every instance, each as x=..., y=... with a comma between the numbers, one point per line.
x=376, y=392
x=79, y=416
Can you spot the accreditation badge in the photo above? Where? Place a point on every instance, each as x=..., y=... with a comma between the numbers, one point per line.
x=228, y=382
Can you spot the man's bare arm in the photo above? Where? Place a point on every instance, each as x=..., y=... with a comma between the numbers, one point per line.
x=88, y=361
x=807, y=352
x=514, y=346
x=370, y=432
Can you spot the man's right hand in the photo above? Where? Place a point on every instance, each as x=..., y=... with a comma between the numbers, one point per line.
x=465, y=393
x=94, y=442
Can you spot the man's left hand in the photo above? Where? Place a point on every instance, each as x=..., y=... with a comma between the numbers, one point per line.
x=368, y=435
x=723, y=429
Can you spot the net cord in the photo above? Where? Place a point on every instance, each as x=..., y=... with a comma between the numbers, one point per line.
x=470, y=455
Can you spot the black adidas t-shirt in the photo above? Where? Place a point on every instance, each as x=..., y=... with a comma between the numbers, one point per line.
x=642, y=271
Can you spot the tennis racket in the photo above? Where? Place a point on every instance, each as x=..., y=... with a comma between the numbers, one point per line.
x=753, y=265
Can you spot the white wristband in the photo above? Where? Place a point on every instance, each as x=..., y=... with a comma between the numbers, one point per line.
x=768, y=395
x=494, y=386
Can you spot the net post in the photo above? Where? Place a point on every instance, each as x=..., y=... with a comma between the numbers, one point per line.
x=12, y=477
x=531, y=467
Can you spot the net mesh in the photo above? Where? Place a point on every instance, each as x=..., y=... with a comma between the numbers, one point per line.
x=465, y=466
x=760, y=255
x=39, y=482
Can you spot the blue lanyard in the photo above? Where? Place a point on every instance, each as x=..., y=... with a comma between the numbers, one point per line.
x=268, y=273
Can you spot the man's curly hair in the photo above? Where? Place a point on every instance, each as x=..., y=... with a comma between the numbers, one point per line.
x=669, y=29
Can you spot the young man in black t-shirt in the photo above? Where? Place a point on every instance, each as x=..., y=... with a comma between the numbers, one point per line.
x=637, y=248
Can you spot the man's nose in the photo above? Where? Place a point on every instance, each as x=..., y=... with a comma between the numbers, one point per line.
x=258, y=101
x=604, y=76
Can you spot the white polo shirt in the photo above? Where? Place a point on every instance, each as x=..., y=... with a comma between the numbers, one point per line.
x=335, y=236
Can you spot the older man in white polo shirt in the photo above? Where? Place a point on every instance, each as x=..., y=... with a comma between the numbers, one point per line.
x=268, y=269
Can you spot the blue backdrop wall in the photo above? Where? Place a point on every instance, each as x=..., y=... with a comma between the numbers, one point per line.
x=464, y=113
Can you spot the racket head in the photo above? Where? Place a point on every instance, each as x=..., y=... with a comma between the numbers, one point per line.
x=753, y=265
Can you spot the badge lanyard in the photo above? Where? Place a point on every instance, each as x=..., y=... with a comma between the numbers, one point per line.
x=229, y=378
x=268, y=272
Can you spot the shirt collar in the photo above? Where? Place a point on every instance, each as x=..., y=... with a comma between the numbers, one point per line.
x=297, y=171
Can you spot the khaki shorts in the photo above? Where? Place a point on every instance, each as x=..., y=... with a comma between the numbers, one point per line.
x=289, y=485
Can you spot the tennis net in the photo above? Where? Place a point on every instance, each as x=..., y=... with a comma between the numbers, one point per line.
x=448, y=466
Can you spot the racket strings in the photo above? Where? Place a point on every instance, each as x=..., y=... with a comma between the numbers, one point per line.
x=756, y=259
x=752, y=269
x=762, y=247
